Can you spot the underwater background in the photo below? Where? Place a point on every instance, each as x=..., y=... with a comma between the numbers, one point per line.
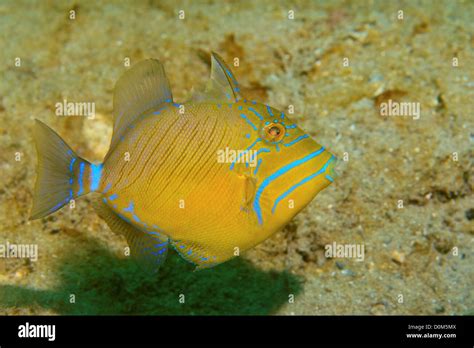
x=405, y=185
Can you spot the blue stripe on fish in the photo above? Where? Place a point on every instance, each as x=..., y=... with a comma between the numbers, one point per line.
x=283, y=170
x=81, y=178
x=256, y=113
x=248, y=121
x=96, y=173
x=130, y=207
x=259, y=152
x=243, y=153
x=301, y=137
x=305, y=180
x=71, y=164
x=269, y=110
x=258, y=166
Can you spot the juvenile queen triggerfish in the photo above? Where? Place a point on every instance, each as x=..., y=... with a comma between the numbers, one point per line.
x=164, y=183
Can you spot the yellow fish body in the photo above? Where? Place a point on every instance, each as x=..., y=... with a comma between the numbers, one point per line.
x=212, y=177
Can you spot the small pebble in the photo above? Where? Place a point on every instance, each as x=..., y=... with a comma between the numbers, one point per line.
x=398, y=257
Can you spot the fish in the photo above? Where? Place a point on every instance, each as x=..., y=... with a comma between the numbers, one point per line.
x=164, y=183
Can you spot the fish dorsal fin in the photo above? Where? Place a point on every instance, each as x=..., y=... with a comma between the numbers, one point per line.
x=222, y=87
x=142, y=87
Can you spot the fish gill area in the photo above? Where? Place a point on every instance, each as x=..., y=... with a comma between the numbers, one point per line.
x=405, y=185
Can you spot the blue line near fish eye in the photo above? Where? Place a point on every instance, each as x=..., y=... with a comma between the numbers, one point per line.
x=258, y=166
x=283, y=170
x=248, y=121
x=305, y=180
x=277, y=146
x=259, y=152
x=243, y=153
x=113, y=196
x=329, y=178
x=282, y=115
x=301, y=137
x=96, y=173
x=81, y=178
x=256, y=141
x=269, y=110
x=291, y=126
x=256, y=113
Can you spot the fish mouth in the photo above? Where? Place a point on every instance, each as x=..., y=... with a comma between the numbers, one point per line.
x=325, y=170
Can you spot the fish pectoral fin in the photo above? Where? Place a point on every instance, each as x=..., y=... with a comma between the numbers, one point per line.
x=222, y=87
x=144, y=86
x=147, y=247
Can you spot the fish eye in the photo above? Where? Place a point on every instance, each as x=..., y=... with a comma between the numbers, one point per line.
x=273, y=132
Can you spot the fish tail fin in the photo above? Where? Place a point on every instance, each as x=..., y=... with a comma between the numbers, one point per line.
x=61, y=174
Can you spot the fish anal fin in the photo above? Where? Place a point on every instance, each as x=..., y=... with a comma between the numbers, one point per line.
x=147, y=247
x=144, y=86
x=197, y=254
